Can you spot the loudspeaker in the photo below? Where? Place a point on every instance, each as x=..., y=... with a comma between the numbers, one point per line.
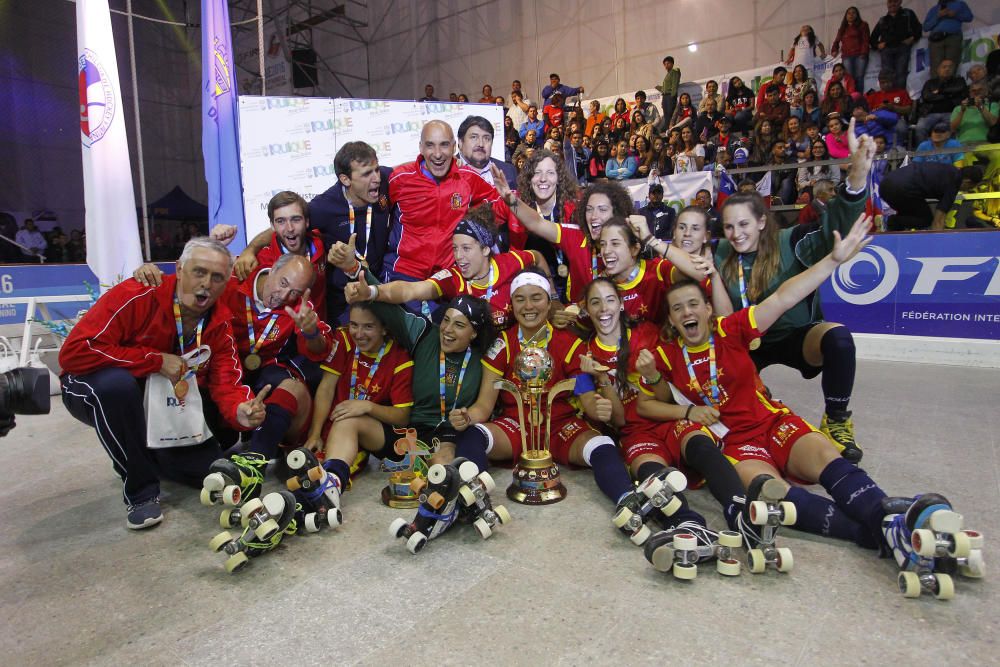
x=304, y=68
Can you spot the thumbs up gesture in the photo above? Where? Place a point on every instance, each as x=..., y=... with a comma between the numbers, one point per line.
x=342, y=255
x=359, y=291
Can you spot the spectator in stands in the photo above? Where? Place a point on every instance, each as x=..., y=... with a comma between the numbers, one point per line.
x=475, y=148
x=649, y=110
x=778, y=76
x=893, y=99
x=691, y=157
x=669, y=88
x=739, y=104
x=774, y=108
x=518, y=110
x=725, y=135
x=662, y=163
x=620, y=111
x=797, y=143
x=581, y=156
x=556, y=85
x=711, y=93
x=808, y=177
x=595, y=118
x=782, y=180
x=533, y=123
x=763, y=137
x=806, y=49
x=796, y=89
x=852, y=45
x=684, y=113
x=619, y=131
x=462, y=97
x=974, y=117
x=599, y=160
x=77, y=246
x=893, y=37
x=643, y=156
x=943, y=25
x=939, y=97
x=515, y=87
x=511, y=138
x=940, y=138
x=822, y=192
x=836, y=101
x=836, y=137
x=881, y=123
x=660, y=217
x=706, y=127
x=554, y=112
x=704, y=199
x=908, y=188
x=810, y=112
x=640, y=126
x=976, y=74
x=452, y=97
x=488, y=97
x=839, y=75
x=622, y=166
x=32, y=242
x=428, y=94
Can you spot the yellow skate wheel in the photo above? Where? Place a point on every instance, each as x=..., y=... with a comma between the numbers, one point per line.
x=685, y=542
x=685, y=571
x=671, y=507
x=231, y=495
x=266, y=530
x=467, y=496
x=639, y=537
x=788, y=513
x=730, y=567
x=974, y=566
x=487, y=480
x=975, y=539
x=731, y=539
x=397, y=527
x=206, y=498
x=758, y=513
x=909, y=584
x=236, y=562
x=755, y=561
x=416, y=542
x=785, y=560
x=503, y=515
x=924, y=542
x=220, y=541
x=945, y=587
x=621, y=517
x=961, y=546
x=248, y=510
x=482, y=528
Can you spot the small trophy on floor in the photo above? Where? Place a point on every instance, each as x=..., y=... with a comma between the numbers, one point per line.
x=536, y=476
x=406, y=477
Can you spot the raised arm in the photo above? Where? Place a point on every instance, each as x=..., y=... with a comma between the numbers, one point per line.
x=528, y=216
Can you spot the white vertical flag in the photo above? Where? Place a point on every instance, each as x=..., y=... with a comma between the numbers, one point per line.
x=113, y=249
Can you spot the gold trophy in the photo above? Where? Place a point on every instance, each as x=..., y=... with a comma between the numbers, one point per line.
x=406, y=478
x=536, y=476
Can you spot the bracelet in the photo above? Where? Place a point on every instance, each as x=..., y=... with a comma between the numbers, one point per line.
x=372, y=292
x=688, y=413
x=311, y=336
x=604, y=384
x=646, y=240
x=659, y=376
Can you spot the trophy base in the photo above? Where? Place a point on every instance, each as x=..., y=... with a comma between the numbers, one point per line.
x=536, y=480
x=399, y=493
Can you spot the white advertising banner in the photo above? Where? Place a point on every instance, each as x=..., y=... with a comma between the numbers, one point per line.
x=288, y=143
x=679, y=190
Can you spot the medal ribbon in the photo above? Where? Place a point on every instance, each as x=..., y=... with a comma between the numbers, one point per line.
x=458, y=383
x=180, y=330
x=255, y=342
x=362, y=393
x=368, y=225
x=712, y=372
x=553, y=217
x=531, y=341
x=743, y=286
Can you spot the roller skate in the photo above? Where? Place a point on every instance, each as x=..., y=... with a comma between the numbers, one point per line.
x=475, y=506
x=265, y=522
x=655, y=498
x=317, y=489
x=438, y=500
x=680, y=549
x=929, y=544
x=839, y=427
x=233, y=480
x=764, y=509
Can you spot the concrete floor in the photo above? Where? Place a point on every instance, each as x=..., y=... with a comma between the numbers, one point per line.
x=559, y=585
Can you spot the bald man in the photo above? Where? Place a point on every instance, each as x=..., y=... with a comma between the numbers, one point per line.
x=432, y=196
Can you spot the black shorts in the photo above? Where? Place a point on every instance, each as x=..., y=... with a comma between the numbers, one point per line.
x=443, y=432
x=388, y=451
x=787, y=352
x=311, y=373
x=273, y=374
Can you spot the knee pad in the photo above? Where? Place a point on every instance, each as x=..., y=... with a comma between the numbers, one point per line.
x=836, y=344
x=593, y=444
x=283, y=399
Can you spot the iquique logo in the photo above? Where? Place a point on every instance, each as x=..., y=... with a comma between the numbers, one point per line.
x=872, y=289
x=97, y=99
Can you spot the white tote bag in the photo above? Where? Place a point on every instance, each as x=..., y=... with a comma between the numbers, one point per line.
x=170, y=421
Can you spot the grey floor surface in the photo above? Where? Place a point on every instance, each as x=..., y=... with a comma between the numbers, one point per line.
x=557, y=586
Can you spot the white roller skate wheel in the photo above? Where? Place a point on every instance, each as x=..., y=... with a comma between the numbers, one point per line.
x=237, y=562
x=482, y=528
x=652, y=486
x=621, y=517
x=214, y=482
x=640, y=536
x=685, y=542
x=311, y=523
x=231, y=495
x=487, y=480
x=974, y=566
x=685, y=571
x=961, y=546
x=220, y=540
x=266, y=530
x=729, y=567
x=467, y=496
x=731, y=539
x=397, y=527
x=945, y=586
x=468, y=471
x=672, y=506
x=252, y=507
x=226, y=519
x=789, y=515
x=909, y=584
x=758, y=513
x=676, y=480
x=975, y=539
x=334, y=518
x=504, y=516
x=437, y=474
x=206, y=498
x=755, y=561
x=416, y=542
x=924, y=542
x=296, y=459
x=785, y=560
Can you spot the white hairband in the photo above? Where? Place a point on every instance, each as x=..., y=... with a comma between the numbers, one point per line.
x=529, y=278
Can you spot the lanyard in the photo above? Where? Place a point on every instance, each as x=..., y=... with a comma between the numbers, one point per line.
x=362, y=393
x=743, y=286
x=531, y=341
x=554, y=218
x=712, y=372
x=368, y=225
x=458, y=383
x=256, y=342
x=180, y=329
x=593, y=263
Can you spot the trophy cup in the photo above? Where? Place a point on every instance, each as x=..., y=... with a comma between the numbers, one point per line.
x=406, y=477
x=536, y=476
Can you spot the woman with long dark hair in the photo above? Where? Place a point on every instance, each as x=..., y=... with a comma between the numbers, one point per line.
x=684, y=114
x=620, y=111
x=739, y=104
x=806, y=49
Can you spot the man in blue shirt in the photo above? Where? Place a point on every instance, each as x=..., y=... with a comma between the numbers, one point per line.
x=943, y=25
x=534, y=123
x=555, y=86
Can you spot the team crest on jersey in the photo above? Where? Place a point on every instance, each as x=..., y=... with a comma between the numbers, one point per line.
x=383, y=201
x=456, y=202
x=496, y=348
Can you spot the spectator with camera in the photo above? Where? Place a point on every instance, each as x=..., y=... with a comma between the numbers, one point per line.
x=972, y=119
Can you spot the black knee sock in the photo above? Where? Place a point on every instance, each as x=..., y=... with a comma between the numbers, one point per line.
x=267, y=437
x=648, y=469
x=610, y=472
x=471, y=444
x=683, y=513
x=341, y=469
x=821, y=516
x=703, y=455
x=839, y=365
x=854, y=492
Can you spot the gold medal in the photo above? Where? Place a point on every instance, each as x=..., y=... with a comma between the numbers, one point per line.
x=562, y=270
x=755, y=343
x=252, y=361
x=181, y=389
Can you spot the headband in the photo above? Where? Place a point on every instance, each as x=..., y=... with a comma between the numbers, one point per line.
x=529, y=278
x=484, y=236
x=473, y=308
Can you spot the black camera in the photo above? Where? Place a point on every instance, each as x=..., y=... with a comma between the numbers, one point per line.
x=23, y=391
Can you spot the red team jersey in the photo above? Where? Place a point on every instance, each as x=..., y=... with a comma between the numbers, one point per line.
x=503, y=267
x=317, y=255
x=393, y=380
x=645, y=295
x=585, y=263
